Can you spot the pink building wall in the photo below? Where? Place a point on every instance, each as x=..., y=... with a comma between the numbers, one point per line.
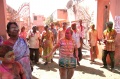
x=39, y=21
x=62, y=14
x=114, y=10
x=3, y=18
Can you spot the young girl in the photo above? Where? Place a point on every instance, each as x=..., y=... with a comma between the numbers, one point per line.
x=10, y=69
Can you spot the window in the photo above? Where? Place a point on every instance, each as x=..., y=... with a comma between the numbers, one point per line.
x=35, y=17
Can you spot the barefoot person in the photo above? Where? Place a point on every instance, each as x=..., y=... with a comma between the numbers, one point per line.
x=66, y=49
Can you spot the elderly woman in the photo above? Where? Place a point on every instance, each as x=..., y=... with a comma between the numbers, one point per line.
x=17, y=43
x=66, y=49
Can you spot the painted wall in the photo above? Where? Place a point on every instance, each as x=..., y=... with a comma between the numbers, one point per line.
x=114, y=11
x=39, y=21
x=101, y=16
x=60, y=15
x=3, y=18
x=100, y=23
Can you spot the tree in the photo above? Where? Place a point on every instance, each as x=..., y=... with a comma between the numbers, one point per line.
x=49, y=20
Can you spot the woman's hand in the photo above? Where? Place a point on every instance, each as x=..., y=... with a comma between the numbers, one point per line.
x=45, y=56
x=77, y=58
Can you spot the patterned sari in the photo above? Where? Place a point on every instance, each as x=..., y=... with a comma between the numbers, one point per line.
x=21, y=52
x=48, y=45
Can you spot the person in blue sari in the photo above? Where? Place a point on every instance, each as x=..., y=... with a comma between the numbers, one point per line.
x=20, y=48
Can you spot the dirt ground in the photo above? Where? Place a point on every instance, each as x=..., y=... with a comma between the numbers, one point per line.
x=84, y=71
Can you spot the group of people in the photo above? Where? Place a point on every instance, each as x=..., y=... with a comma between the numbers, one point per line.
x=14, y=55
x=109, y=35
x=21, y=49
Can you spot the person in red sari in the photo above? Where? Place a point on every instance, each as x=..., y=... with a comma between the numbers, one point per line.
x=23, y=33
x=20, y=47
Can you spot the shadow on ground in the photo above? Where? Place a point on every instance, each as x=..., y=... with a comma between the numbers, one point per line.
x=90, y=70
x=116, y=70
x=34, y=77
x=48, y=67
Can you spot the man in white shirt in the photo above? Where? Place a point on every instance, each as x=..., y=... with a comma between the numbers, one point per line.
x=81, y=29
x=33, y=38
x=78, y=39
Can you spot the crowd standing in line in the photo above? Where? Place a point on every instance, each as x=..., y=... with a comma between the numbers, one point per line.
x=69, y=41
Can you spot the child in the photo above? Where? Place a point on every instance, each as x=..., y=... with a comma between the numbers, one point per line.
x=10, y=69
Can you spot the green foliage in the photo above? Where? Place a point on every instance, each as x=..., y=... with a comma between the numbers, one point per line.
x=48, y=20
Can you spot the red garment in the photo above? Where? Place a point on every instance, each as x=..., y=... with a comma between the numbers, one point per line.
x=14, y=73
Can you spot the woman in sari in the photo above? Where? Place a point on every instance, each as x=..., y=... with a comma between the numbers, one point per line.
x=19, y=46
x=47, y=40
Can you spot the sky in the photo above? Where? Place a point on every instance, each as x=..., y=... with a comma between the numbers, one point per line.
x=42, y=7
